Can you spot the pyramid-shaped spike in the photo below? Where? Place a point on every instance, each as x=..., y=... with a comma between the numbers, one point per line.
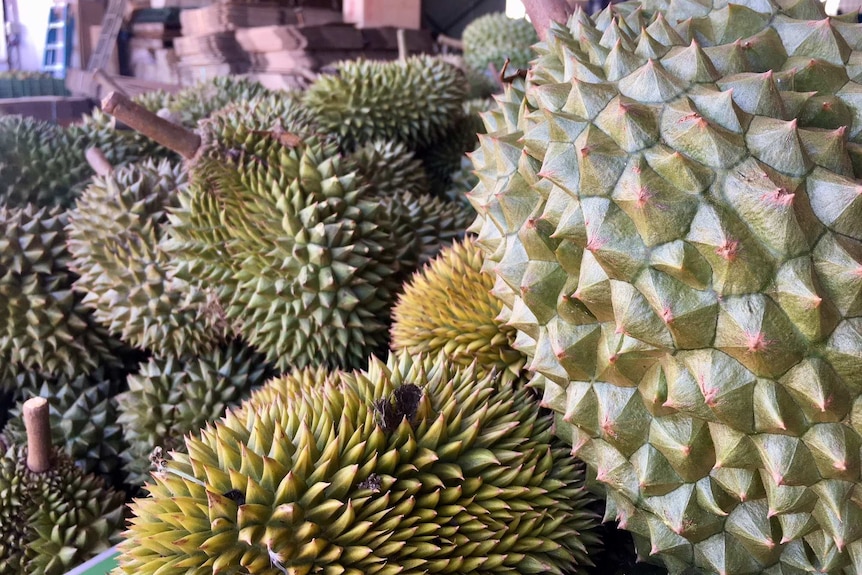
x=653, y=389
x=827, y=553
x=576, y=68
x=810, y=75
x=851, y=95
x=553, y=97
x=837, y=202
x=690, y=314
x=847, y=24
x=559, y=166
x=634, y=316
x=600, y=162
x=594, y=288
x=754, y=330
x=786, y=499
x=773, y=206
x=774, y=409
x=541, y=284
x=798, y=293
x=596, y=53
x=670, y=545
x=803, y=9
x=691, y=64
x=649, y=47
x=713, y=498
x=738, y=264
x=655, y=474
x=623, y=360
x=728, y=58
x=835, y=448
x=732, y=448
x=794, y=102
x=825, y=111
x=659, y=210
x=612, y=238
x=787, y=460
x=574, y=347
x=632, y=125
x=682, y=172
x=581, y=23
x=684, y=395
x=813, y=39
x=651, y=83
x=678, y=437
x=742, y=484
x=776, y=143
x=686, y=130
x=623, y=420
x=683, y=9
x=512, y=265
x=614, y=469
x=735, y=21
x=681, y=512
x=726, y=386
x=755, y=93
x=818, y=390
x=837, y=496
x=841, y=259
x=621, y=62
x=571, y=227
x=613, y=36
x=664, y=33
x=586, y=100
x=828, y=149
x=756, y=531
x=795, y=526
x=582, y=406
x=719, y=108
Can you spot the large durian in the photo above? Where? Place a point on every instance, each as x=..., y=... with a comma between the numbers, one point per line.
x=412, y=467
x=83, y=416
x=168, y=398
x=673, y=218
x=44, y=327
x=390, y=168
x=491, y=39
x=197, y=102
x=40, y=163
x=302, y=260
x=128, y=278
x=53, y=520
x=448, y=307
x=413, y=101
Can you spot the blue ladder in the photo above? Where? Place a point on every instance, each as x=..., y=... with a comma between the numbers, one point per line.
x=58, y=41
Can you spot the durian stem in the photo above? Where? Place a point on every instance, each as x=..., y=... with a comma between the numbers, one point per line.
x=98, y=161
x=543, y=12
x=38, y=425
x=401, y=36
x=179, y=139
x=450, y=42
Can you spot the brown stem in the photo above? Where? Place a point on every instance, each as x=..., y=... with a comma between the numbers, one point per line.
x=179, y=139
x=38, y=425
x=451, y=42
x=98, y=161
x=543, y=12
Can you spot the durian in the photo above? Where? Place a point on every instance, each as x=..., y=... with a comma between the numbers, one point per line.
x=44, y=327
x=677, y=240
x=169, y=398
x=414, y=101
x=490, y=39
x=412, y=467
x=40, y=163
x=83, y=417
x=126, y=276
x=390, y=168
x=201, y=100
x=302, y=260
x=448, y=307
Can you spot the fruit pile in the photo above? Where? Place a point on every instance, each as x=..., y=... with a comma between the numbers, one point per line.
x=287, y=343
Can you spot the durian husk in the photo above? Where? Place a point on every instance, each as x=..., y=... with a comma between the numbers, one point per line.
x=413, y=466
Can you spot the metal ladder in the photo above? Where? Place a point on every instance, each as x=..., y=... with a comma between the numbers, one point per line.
x=58, y=41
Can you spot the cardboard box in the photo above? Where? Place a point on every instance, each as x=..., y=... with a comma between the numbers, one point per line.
x=376, y=13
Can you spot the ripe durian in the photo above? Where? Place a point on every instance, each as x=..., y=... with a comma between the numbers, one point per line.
x=40, y=163
x=52, y=521
x=676, y=236
x=412, y=467
x=267, y=111
x=390, y=168
x=128, y=278
x=44, y=327
x=301, y=259
x=490, y=39
x=414, y=101
x=448, y=307
x=83, y=417
x=169, y=397
x=200, y=101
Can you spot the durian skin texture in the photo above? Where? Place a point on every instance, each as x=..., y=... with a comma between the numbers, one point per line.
x=673, y=218
x=328, y=472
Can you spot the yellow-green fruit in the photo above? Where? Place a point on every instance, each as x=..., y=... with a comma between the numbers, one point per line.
x=412, y=467
x=390, y=168
x=448, y=306
x=126, y=275
x=489, y=40
x=53, y=521
x=193, y=104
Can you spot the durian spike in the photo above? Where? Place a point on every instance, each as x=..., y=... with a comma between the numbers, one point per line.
x=181, y=140
x=38, y=425
x=98, y=161
x=543, y=12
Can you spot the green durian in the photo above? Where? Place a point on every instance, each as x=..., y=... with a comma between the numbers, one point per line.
x=301, y=259
x=83, y=417
x=448, y=307
x=44, y=326
x=126, y=275
x=490, y=39
x=413, y=102
x=414, y=466
x=40, y=163
x=197, y=102
x=53, y=521
x=272, y=111
x=390, y=168
x=677, y=237
x=169, y=397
